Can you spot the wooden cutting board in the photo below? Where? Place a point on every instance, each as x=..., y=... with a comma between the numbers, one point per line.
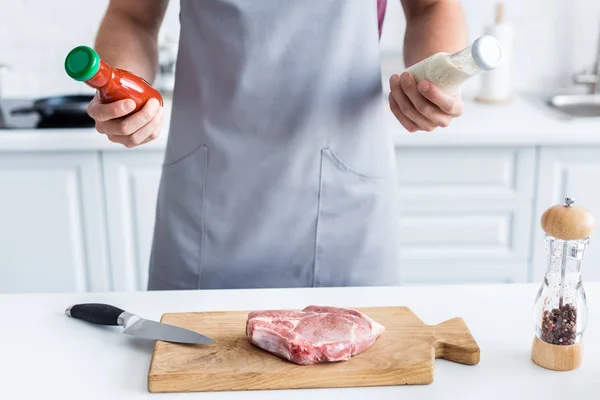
x=403, y=355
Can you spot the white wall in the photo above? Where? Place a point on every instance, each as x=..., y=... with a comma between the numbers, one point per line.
x=554, y=38
x=36, y=35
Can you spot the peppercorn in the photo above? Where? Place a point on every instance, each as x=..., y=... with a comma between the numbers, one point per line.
x=558, y=325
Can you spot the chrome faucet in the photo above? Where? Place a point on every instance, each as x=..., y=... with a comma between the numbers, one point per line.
x=591, y=78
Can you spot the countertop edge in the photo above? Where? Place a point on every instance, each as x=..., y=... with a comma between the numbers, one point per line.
x=519, y=123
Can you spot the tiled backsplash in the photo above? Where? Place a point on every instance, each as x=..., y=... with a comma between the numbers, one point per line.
x=554, y=38
x=36, y=35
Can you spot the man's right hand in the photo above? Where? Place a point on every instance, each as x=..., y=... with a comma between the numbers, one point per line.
x=131, y=131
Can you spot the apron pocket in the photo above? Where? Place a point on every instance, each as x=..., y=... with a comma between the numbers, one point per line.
x=356, y=240
x=177, y=249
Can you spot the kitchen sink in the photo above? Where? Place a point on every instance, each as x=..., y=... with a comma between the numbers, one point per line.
x=577, y=105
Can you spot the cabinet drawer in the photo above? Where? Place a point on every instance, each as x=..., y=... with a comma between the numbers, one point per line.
x=462, y=173
x=466, y=238
x=425, y=272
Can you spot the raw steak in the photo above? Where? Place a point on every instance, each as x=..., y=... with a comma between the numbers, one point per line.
x=313, y=335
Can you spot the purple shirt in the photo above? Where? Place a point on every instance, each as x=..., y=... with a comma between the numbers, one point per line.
x=380, y=13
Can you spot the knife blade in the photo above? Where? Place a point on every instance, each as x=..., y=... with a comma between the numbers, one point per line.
x=104, y=314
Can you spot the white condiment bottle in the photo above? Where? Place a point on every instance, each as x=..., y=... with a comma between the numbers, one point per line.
x=449, y=71
x=496, y=86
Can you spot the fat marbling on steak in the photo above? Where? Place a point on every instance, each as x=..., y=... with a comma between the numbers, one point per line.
x=314, y=335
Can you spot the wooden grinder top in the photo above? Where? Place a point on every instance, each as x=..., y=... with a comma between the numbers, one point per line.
x=568, y=221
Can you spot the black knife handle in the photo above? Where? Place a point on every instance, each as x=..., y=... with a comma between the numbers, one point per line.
x=100, y=314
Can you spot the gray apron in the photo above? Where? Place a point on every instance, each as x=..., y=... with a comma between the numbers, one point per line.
x=279, y=170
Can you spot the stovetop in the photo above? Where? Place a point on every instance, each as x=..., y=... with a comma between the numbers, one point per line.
x=34, y=120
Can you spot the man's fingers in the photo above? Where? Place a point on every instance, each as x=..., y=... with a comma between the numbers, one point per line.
x=407, y=107
x=449, y=104
x=403, y=119
x=100, y=127
x=426, y=108
x=124, y=140
x=144, y=135
x=151, y=128
x=150, y=138
x=131, y=124
x=136, y=121
x=105, y=112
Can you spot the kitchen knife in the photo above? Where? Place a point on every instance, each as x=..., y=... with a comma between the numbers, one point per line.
x=104, y=314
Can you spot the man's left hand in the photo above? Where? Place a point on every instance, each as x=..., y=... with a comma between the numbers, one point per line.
x=422, y=107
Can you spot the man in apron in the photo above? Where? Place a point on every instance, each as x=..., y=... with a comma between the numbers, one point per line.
x=279, y=170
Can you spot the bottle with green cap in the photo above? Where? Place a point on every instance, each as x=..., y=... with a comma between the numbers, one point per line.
x=85, y=65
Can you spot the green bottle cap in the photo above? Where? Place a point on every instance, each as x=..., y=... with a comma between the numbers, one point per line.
x=82, y=63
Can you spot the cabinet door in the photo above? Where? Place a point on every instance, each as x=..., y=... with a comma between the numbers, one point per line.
x=465, y=243
x=465, y=213
x=568, y=172
x=465, y=174
x=52, y=233
x=131, y=186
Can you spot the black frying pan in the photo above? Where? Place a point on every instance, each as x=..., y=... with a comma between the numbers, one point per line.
x=57, y=105
x=69, y=111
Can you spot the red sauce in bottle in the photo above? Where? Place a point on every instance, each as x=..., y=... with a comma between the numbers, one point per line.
x=84, y=64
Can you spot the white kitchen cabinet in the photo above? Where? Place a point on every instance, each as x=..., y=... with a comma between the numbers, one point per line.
x=84, y=220
x=456, y=243
x=568, y=172
x=131, y=182
x=465, y=174
x=465, y=213
x=52, y=233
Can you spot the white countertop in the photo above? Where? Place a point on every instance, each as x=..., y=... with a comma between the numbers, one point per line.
x=523, y=122
x=74, y=139
x=45, y=353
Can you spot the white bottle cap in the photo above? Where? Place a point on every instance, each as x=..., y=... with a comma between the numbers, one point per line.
x=487, y=52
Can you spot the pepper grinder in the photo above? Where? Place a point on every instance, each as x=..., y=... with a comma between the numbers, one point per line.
x=560, y=311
